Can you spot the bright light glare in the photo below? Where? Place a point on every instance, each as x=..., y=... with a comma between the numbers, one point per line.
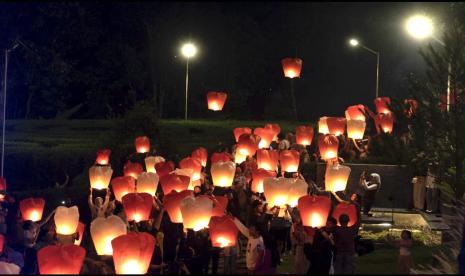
x=419, y=27
x=353, y=42
x=188, y=50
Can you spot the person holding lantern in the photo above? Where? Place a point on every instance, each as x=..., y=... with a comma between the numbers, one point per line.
x=99, y=208
x=319, y=248
x=255, y=243
x=344, y=241
x=370, y=188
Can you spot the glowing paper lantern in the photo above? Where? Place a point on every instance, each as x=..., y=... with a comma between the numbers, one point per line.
x=328, y=146
x=385, y=122
x=150, y=162
x=289, y=160
x=220, y=156
x=188, y=173
x=355, y=129
x=66, y=220
x=248, y=144
x=323, y=125
x=348, y=209
x=336, y=177
x=223, y=231
x=238, y=131
x=411, y=107
x=60, y=259
x=266, y=136
x=175, y=182
x=304, y=135
x=291, y=67
x=382, y=105
x=276, y=190
x=196, y=212
x=80, y=229
x=298, y=189
x=132, y=169
x=267, y=159
x=132, y=252
x=142, y=144
x=276, y=130
x=123, y=185
x=147, y=183
x=193, y=164
x=172, y=204
x=201, y=154
x=314, y=210
x=355, y=112
x=239, y=158
x=219, y=205
x=137, y=206
x=223, y=173
x=9, y=268
x=104, y=230
x=216, y=100
x=100, y=177
x=103, y=157
x=258, y=176
x=336, y=125
x=164, y=168
x=32, y=208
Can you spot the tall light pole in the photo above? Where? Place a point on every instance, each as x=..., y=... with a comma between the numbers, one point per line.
x=355, y=43
x=188, y=50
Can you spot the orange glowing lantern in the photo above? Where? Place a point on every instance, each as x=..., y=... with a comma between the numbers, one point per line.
x=289, y=160
x=385, y=122
x=66, y=220
x=216, y=100
x=147, y=183
x=175, y=182
x=103, y=157
x=355, y=112
x=220, y=156
x=411, y=107
x=137, y=206
x=382, y=105
x=223, y=231
x=258, y=176
x=336, y=125
x=132, y=169
x=223, y=173
x=188, y=173
x=328, y=146
x=164, y=168
x=239, y=158
x=100, y=177
x=291, y=67
x=201, y=154
x=266, y=136
x=172, y=204
x=194, y=164
x=32, y=208
x=60, y=259
x=196, y=212
x=304, y=135
x=104, y=230
x=298, y=189
x=219, y=205
x=348, y=209
x=267, y=159
x=276, y=190
x=123, y=185
x=238, y=131
x=132, y=252
x=142, y=144
x=336, y=177
x=151, y=161
x=355, y=129
x=276, y=130
x=248, y=144
x=80, y=229
x=314, y=210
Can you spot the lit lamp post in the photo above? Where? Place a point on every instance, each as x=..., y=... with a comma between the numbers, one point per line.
x=188, y=50
x=355, y=43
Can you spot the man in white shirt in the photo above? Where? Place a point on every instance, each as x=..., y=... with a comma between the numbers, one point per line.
x=254, y=244
x=370, y=187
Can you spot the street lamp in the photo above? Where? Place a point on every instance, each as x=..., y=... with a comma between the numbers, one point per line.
x=355, y=43
x=188, y=50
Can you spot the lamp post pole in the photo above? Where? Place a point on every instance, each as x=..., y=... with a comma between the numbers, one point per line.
x=187, y=85
x=5, y=77
x=377, y=67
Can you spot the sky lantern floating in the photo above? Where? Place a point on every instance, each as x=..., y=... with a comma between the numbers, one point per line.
x=194, y=164
x=219, y=205
x=355, y=129
x=60, y=259
x=289, y=160
x=123, y=185
x=238, y=131
x=258, y=176
x=103, y=157
x=336, y=177
x=175, y=182
x=323, y=125
x=216, y=100
x=382, y=105
x=411, y=107
x=292, y=67
x=248, y=144
x=137, y=206
x=66, y=220
x=266, y=136
x=80, y=229
x=9, y=268
x=328, y=146
x=132, y=252
x=150, y=162
x=100, y=177
x=304, y=135
x=147, y=183
x=385, y=122
x=222, y=173
x=336, y=125
x=298, y=189
x=348, y=209
x=267, y=159
x=223, y=231
x=196, y=212
x=276, y=130
x=220, y=156
x=32, y=208
x=164, y=168
x=201, y=154
x=142, y=144
x=355, y=112
x=239, y=158
x=188, y=173
x=132, y=169
x=104, y=230
x=276, y=190
x=314, y=210
x=172, y=204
